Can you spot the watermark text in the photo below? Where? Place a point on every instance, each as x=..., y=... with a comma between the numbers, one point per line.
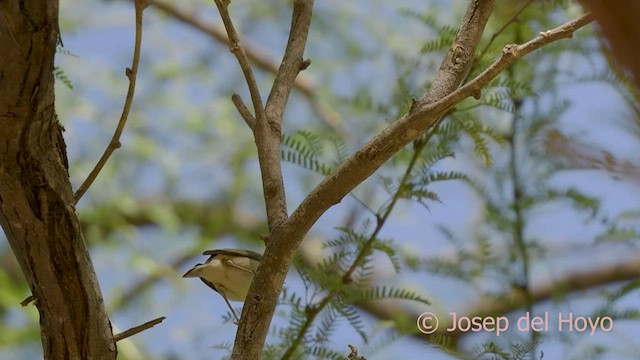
x=428, y=323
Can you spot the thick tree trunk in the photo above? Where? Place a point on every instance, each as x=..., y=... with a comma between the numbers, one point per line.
x=36, y=201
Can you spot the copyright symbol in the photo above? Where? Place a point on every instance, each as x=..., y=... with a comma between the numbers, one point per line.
x=427, y=323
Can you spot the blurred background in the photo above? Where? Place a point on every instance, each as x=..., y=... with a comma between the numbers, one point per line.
x=524, y=200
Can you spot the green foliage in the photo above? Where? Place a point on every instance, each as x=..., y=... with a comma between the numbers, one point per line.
x=59, y=74
x=17, y=330
x=344, y=277
x=384, y=292
x=471, y=261
x=611, y=309
x=580, y=200
x=444, y=33
x=352, y=315
x=621, y=229
x=515, y=187
x=62, y=50
x=332, y=286
x=517, y=351
x=309, y=151
x=324, y=353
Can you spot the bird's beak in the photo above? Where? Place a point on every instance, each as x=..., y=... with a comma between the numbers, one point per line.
x=192, y=272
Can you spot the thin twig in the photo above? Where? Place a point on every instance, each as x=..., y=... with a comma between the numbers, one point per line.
x=137, y=329
x=131, y=73
x=244, y=112
x=28, y=300
x=523, y=281
x=236, y=49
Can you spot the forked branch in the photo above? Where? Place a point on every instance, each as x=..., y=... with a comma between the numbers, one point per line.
x=304, y=84
x=263, y=295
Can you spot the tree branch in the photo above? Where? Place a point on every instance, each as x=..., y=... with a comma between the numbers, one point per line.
x=266, y=127
x=368, y=159
x=303, y=83
x=132, y=74
x=586, y=155
x=284, y=240
x=244, y=112
x=263, y=295
x=510, y=53
x=252, y=330
x=347, y=276
x=137, y=329
x=292, y=62
x=237, y=49
x=268, y=131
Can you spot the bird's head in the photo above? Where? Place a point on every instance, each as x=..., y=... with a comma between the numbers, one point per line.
x=194, y=271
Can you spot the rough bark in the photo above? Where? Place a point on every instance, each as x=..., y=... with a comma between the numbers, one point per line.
x=36, y=211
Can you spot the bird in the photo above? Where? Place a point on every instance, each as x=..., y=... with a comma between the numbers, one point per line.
x=229, y=272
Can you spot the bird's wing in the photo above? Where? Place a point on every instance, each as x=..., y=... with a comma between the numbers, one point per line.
x=238, y=265
x=235, y=252
x=210, y=284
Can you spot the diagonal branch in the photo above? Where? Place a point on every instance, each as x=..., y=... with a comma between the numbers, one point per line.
x=132, y=74
x=378, y=150
x=138, y=329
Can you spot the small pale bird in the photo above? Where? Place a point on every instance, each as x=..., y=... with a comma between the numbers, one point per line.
x=229, y=272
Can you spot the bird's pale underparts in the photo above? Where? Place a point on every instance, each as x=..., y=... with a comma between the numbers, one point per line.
x=229, y=272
